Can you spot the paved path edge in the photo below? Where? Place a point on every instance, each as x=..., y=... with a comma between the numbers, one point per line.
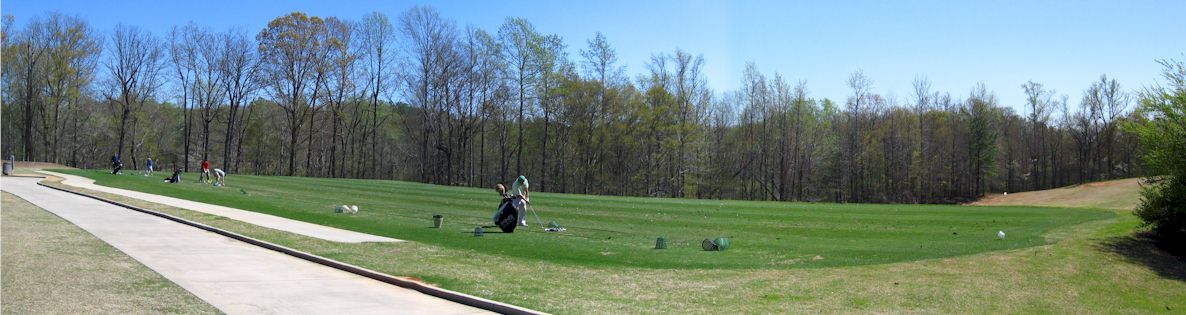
x=453, y=296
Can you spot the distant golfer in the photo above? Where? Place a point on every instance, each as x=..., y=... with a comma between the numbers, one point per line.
x=176, y=178
x=205, y=176
x=220, y=176
x=519, y=194
x=116, y=164
x=148, y=168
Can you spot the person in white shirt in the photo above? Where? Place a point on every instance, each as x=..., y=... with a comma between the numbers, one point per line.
x=519, y=192
x=219, y=177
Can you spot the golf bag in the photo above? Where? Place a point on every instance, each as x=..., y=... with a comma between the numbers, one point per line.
x=507, y=218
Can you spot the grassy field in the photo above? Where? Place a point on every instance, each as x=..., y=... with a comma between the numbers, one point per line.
x=1094, y=266
x=621, y=231
x=52, y=267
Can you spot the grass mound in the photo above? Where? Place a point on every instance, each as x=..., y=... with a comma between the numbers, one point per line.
x=621, y=231
x=1120, y=194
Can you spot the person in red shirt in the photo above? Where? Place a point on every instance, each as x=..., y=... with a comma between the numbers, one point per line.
x=205, y=177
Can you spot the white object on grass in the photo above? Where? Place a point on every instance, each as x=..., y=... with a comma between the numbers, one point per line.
x=1001, y=234
x=354, y=209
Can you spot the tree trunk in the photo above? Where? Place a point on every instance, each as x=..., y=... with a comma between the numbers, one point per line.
x=123, y=127
x=228, y=141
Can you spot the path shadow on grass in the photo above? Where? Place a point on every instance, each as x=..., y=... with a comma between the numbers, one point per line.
x=1141, y=249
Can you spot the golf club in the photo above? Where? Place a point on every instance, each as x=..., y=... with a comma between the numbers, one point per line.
x=541, y=222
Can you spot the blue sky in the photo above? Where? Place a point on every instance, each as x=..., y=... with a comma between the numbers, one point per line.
x=1065, y=45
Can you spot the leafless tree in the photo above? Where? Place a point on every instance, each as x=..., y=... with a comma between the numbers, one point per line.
x=239, y=70
x=133, y=69
x=376, y=36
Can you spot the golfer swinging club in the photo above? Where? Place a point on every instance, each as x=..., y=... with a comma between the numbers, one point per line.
x=519, y=192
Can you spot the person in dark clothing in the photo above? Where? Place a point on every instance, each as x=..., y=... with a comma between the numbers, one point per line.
x=116, y=164
x=176, y=178
x=148, y=170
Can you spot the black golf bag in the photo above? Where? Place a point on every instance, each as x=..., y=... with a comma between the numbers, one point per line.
x=507, y=218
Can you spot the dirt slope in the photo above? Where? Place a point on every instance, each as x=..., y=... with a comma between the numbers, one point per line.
x=1121, y=194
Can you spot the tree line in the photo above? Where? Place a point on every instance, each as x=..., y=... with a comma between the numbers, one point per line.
x=419, y=98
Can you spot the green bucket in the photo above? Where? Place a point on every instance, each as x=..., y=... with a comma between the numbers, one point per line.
x=717, y=244
x=708, y=245
x=722, y=243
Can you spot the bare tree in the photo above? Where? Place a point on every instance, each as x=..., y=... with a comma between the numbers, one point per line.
x=550, y=60
x=519, y=41
x=340, y=83
x=376, y=36
x=182, y=54
x=30, y=46
x=486, y=64
x=854, y=169
x=133, y=69
x=600, y=63
x=432, y=65
x=922, y=105
x=1103, y=102
x=208, y=88
x=238, y=68
x=1040, y=104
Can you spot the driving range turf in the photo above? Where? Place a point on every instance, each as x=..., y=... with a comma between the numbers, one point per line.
x=621, y=231
x=1097, y=266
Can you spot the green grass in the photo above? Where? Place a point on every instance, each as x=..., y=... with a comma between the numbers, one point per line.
x=621, y=231
x=1088, y=268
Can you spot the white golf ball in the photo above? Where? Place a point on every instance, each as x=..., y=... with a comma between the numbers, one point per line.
x=1001, y=234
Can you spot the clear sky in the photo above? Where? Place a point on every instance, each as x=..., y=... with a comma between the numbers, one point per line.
x=1065, y=45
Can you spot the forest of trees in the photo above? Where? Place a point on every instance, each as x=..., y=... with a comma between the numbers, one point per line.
x=417, y=97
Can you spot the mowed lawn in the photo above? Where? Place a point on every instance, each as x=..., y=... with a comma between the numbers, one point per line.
x=621, y=231
x=1093, y=267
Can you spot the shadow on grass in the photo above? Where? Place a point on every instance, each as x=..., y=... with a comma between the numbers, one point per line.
x=1141, y=249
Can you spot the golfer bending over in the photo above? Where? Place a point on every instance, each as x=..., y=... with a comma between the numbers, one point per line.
x=518, y=193
x=219, y=176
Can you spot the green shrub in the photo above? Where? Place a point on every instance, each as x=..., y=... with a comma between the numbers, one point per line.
x=1162, y=132
x=1163, y=208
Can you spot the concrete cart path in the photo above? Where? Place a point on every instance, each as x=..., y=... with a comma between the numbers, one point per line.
x=260, y=219
x=233, y=276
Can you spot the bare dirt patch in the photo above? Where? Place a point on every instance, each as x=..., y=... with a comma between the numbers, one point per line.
x=1121, y=194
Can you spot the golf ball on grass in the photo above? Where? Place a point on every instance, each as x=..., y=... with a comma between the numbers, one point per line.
x=1001, y=234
